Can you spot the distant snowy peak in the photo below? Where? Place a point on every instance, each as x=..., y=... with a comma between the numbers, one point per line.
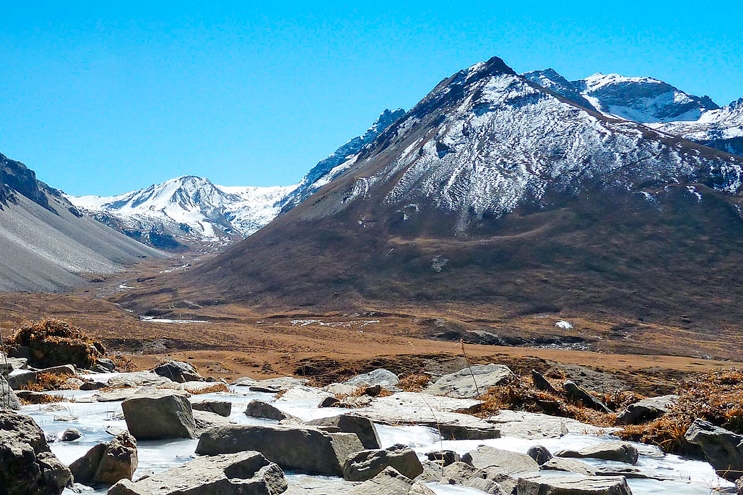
x=551, y=80
x=642, y=99
x=335, y=164
x=187, y=209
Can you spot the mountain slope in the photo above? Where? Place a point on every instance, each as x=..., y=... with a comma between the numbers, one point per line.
x=187, y=210
x=495, y=194
x=46, y=244
x=342, y=158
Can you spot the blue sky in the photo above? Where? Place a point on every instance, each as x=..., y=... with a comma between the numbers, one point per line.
x=106, y=97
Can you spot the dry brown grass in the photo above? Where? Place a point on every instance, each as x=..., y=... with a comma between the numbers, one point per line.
x=217, y=387
x=123, y=362
x=48, y=381
x=414, y=383
x=40, y=399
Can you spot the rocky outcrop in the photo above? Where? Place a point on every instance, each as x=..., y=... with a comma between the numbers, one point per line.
x=178, y=371
x=506, y=461
x=348, y=423
x=608, y=451
x=107, y=463
x=27, y=465
x=367, y=464
x=646, y=410
x=244, y=473
x=306, y=450
x=153, y=414
x=722, y=448
x=390, y=482
x=579, y=394
x=574, y=485
x=470, y=382
x=541, y=383
x=8, y=398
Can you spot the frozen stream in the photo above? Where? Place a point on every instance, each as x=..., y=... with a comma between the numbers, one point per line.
x=93, y=419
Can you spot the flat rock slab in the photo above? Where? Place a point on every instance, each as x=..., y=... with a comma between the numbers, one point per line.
x=301, y=449
x=470, y=382
x=646, y=410
x=505, y=461
x=608, y=451
x=580, y=467
x=572, y=485
x=381, y=377
x=135, y=379
x=244, y=473
x=535, y=426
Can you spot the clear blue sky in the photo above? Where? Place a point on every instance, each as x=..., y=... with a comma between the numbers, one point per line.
x=105, y=97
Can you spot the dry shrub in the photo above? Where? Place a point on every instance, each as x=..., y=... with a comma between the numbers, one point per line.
x=56, y=342
x=123, y=362
x=48, y=381
x=40, y=399
x=715, y=397
x=217, y=387
x=414, y=383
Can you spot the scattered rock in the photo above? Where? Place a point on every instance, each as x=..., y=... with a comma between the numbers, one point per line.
x=205, y=420
x=722, y=448
x=243, y=473
x=137, y=379
x=178, y=371
x=8, y=398
x=106, y=364
x=382, y=377
x=444, y=457
x=306, y=450
x=276, y=385
x=646, y=410
x=65, y=418
x=153, y=414
x=62, y=370
x=340, y=389
x=92, y=385
x=539, y=453
x=489, y=480
x=504, y=460
x=27, y=465
x=608, y=451
x=9, y=364
x=367, y=464
x=21, y=378
x=541, y=383
x=574, y=485
x=329, y=402
x=348, y=423
x=259, y=409
x=244, y=382
x=470, y=382
x=223, y=408
x=579, y=394
x=390, y=482
x=580, y=467
x=70, y=434
x=107, y=463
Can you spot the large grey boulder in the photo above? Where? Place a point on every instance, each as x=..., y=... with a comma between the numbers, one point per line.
x=348, y=423
x=572, y=485
x=646, y=410
x=276, y=385
x=382, y=377
x=178, y=371
x=21, y=378
x=221, y=407
x=579, y=394
x=153, y=414
x=27, y=465
x=539, y=453
x=367, y=464
x=259, y=409
x=107, y=463
x=472, y=381
x=243, y=473
x=608, y=451
x=504, y=460
x=307, y=450
x=722, y=448
x=390, y=482
x=8, y=398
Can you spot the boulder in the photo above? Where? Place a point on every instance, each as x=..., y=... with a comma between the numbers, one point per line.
x=340, y=389
x=107, y=463
x=367, y=464
x=244, y=381
x=382, y=377
x=27, y=465
x=574, y=485
x=580, y=467
x=646, y=410
x=608, y=451
x=722, y=448
x=485, y=480
x=70, y=435
x=243, y=473
x=8, y=364
x=18, y=379
x=106, y=363
x=541, y=383
x=221, y=407
x=8, y=398
x=539, y=453
x=444, y=457
x=178, y=371
x=329, y=402
x=348, y=423
x=579, y=394
x=137, y=379
x=259, y=409
x=524, y=424
x=205, y=420
x=153, y=414
x=307, y=450
x=62, y=370
x=471, y=381
x=504, y=460
x=390, y=482
x=276, y=385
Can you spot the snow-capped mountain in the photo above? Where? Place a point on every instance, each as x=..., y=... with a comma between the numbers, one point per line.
x=338, y=162
x=655, y=103
x=185, y=210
